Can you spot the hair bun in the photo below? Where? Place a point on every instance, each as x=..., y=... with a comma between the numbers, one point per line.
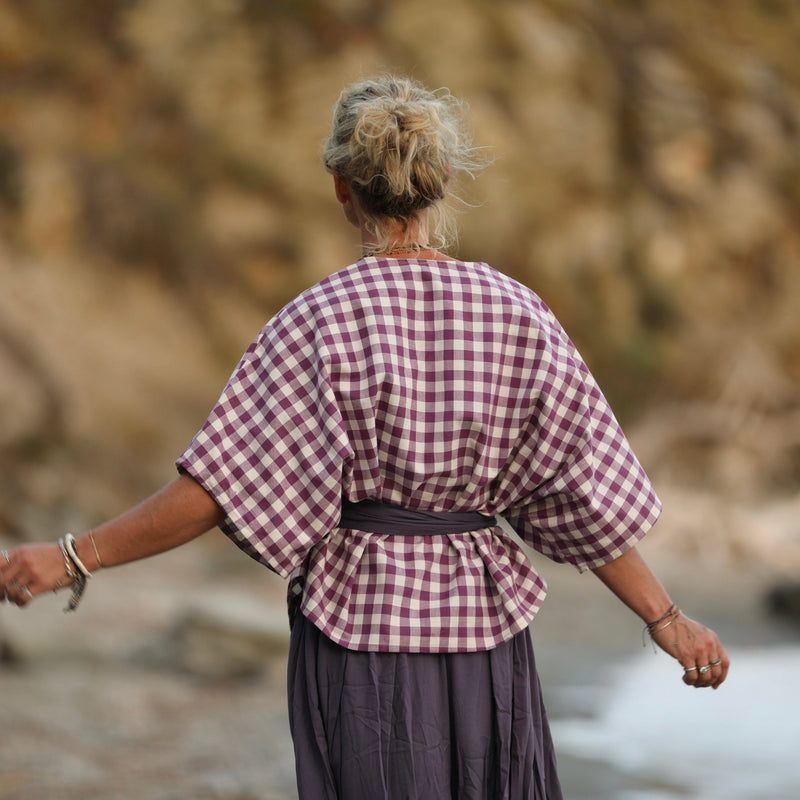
x=398, y=144
x=402, y=160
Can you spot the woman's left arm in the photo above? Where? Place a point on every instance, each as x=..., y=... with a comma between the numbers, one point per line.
x=697, y=648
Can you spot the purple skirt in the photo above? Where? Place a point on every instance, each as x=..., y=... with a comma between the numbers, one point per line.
x=418, y=726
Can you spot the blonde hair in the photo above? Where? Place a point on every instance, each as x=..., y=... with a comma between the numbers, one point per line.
x=401, y=147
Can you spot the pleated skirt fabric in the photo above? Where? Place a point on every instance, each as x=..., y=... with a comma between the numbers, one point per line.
x=418, y=726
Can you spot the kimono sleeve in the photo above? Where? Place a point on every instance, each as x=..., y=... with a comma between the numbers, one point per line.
x=272, y=449
x=587, y=498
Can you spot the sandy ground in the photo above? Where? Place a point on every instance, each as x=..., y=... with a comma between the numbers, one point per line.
x=104, y=705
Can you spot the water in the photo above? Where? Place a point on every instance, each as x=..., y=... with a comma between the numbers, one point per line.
x=653, y=738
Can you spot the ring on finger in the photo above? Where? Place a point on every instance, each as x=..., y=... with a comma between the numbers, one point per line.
x=715, y=663
x=24, y=589
x=6, y=556
x=689, y=669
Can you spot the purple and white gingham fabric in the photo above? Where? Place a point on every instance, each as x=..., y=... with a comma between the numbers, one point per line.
x=438, y=385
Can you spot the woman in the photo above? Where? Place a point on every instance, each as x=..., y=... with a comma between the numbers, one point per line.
x=365, y=447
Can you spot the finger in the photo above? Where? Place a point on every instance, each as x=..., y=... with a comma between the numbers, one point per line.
x=19, y=594
x=5, y=567
x=717, y=666
x=5, y=575
x=711, y=674
x=697, y=670
x=690, y=675
x=723, y=670
x=705, y=676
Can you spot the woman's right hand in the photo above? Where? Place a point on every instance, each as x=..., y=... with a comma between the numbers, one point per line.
x=30, y=570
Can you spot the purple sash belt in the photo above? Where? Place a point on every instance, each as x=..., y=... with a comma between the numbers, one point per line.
x=374, y=517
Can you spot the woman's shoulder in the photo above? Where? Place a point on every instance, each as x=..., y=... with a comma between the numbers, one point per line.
x=504, y=289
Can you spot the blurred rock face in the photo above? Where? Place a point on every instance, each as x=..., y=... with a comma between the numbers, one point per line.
x=161, y=195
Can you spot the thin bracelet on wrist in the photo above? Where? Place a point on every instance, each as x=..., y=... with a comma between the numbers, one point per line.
x=651, y=628
x=94, y=547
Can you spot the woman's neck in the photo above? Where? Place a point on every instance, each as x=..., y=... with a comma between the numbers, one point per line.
x=406, y=237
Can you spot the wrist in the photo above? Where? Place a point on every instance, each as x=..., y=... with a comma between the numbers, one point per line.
x=656, y=618
x=660, y=624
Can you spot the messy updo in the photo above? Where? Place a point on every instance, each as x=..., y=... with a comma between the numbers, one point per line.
x=400, y=147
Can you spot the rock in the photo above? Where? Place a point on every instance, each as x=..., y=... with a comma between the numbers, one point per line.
x=221, y=639
x=8, y=653
x=783, y=600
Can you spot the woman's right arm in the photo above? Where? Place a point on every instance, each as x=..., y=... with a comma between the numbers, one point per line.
x=176, y=514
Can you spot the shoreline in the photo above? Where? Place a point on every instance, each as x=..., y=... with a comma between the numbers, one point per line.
x=101, y=709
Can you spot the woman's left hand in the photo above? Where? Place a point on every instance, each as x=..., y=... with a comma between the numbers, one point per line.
x=704, y=660
x=698, y=650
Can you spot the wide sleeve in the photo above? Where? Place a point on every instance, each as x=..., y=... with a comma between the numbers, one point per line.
x=582, y=495
x=272, y=450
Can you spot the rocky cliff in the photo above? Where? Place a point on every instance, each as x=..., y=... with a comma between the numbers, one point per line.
x=161, y=195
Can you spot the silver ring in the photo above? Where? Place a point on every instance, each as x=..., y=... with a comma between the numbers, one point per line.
x=5, y=556
x=689, y=669
x=703, y=670
x=21, y=588
x=715, y=663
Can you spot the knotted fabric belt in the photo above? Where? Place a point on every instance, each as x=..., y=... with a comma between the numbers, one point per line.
x=374, y=517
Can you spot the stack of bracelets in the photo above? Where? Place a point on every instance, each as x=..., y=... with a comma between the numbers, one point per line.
x=76, y=570
x=672, y=613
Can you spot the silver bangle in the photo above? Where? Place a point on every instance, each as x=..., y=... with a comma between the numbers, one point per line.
x=67, y=560
x=69, y=542
x=79, y=577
